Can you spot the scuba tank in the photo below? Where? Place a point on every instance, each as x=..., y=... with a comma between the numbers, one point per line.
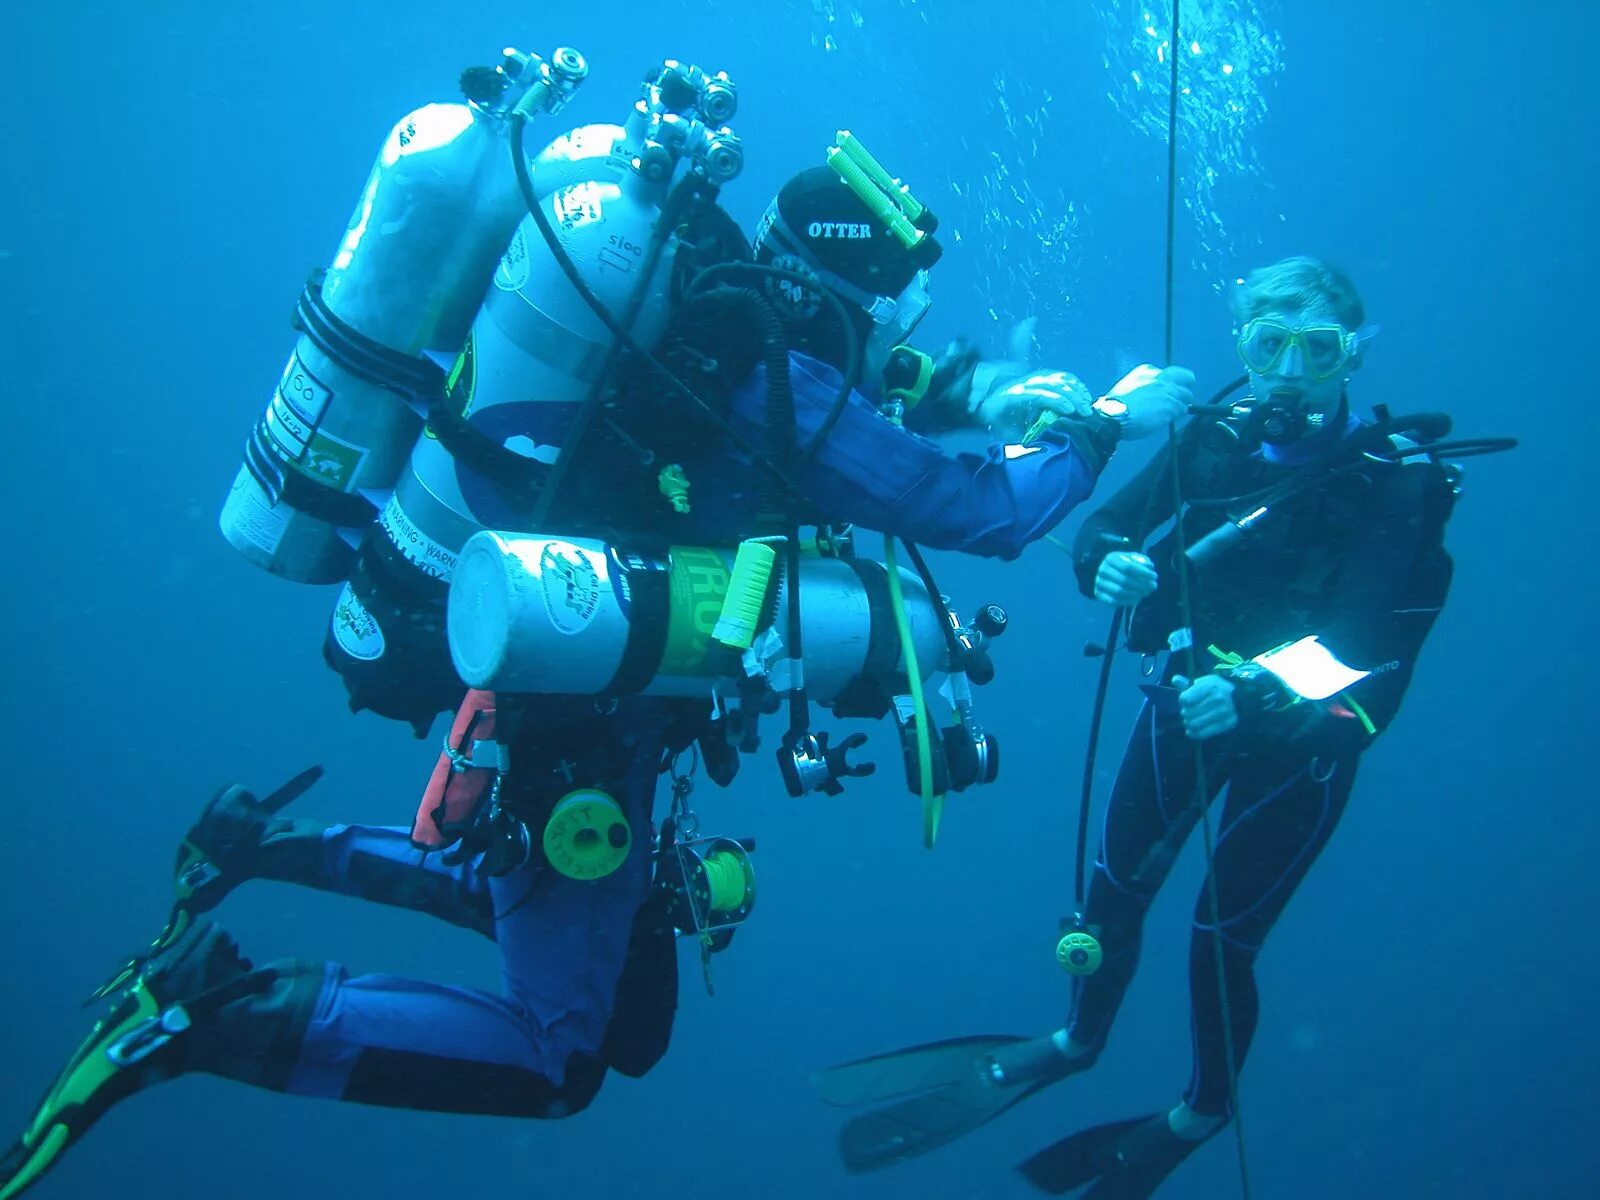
x=533, y=356
x=437, y=211
x=543, y=614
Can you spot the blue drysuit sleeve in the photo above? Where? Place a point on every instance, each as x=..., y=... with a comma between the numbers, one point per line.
x=881, y=476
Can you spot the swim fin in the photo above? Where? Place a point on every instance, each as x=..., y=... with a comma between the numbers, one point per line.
x=1125, y=1160
x=939, y=1092
x=136, y=1045
x=214, y=857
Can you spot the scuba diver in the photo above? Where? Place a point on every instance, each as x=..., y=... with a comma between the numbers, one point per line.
x=1312, y=542
x=676, y=410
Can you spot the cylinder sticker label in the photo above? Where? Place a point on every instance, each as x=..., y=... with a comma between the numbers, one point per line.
x=571, y=586
x=355, y=629
x=620, y=253
x=459, y=385
x=698, y=585
x=333, y=461
x=427, y=555
x=289, y=434
x=296, y=408
x=251, y=515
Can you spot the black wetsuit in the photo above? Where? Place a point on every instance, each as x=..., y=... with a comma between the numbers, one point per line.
x=1358, y=561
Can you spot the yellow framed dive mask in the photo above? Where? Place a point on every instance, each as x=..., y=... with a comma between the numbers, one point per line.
x=1324, y=348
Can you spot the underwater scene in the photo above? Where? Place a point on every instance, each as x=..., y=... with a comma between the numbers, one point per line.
x=861, y=598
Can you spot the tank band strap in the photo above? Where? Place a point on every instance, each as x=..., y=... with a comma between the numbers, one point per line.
x=649, y=587
x=286, y=483
x=409, y=604
x=883, y=641
x=519, y=478
x=415, y=380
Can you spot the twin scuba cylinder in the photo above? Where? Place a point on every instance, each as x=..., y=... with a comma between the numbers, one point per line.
x=403, y=289
x=445, y=302
x=532, y=357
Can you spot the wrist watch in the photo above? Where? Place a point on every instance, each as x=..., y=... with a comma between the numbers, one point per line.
x=1114, y=412
x=1110, y=406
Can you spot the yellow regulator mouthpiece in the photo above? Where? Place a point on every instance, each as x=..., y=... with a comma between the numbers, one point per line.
x=1079, y=953
x=587, y=836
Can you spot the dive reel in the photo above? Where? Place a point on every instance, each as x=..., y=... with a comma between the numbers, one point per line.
x=708, y=884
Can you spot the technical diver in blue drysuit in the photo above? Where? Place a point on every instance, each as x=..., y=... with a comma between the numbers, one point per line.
x=589, y=963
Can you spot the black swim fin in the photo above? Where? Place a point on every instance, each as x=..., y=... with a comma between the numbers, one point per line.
x=1125, y=1160
x=938, y=1092
x=213, y=858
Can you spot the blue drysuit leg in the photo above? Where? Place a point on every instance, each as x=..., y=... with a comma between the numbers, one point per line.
x=378, y=864
x=529, y=1050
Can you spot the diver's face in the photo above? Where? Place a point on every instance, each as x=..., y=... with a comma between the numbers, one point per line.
x=1294, y=354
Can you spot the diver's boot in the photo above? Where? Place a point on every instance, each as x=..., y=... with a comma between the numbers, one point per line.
x=237, y=837
x=1125, y=1160
x=195, y=1005
x=240, y=837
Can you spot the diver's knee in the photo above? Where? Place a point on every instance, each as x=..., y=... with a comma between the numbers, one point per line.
x=584, y=1075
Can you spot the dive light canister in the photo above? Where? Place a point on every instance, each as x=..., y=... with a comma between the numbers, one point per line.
x=539, y=614
x=437, y=212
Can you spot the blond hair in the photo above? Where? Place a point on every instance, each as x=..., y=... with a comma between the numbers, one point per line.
x=1299, y=282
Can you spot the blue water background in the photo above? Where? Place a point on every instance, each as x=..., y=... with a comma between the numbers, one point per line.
x=173, y=170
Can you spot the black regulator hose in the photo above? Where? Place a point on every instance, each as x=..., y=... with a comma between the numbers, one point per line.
x=920, y=564
x=775, y=505
x=852, y=367
x=594, y=399
x=777, y=508
x=563, y=260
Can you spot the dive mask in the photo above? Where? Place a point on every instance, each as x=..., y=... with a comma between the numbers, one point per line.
x=1325, y=348
x=895, y=320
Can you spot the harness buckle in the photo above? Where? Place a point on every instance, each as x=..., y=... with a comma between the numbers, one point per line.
x=145, y=1038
